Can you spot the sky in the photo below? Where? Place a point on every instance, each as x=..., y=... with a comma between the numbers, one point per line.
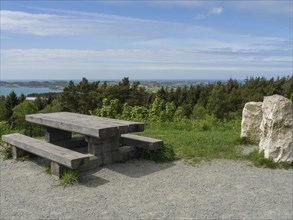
x=100, y=40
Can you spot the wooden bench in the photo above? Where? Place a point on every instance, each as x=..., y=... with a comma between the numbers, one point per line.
x=141, y=142
x=61, y=158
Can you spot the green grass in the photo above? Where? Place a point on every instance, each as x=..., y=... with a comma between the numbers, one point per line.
x=23, y=158
x=259, y=160
x=198, y=140
x=6, y=152
x=165, y=154
x=193, y=143
x=69, y=178
x=47, y=168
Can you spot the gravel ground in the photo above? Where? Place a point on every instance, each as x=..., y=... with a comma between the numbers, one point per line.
x=140, y=189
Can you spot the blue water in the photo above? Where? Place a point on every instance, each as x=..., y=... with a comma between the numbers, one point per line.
x=25, y=90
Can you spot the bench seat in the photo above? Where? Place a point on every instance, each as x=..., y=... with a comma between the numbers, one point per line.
x=56, y=154
x=141, y=142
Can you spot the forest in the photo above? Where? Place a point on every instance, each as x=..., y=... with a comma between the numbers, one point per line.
x=208, y=116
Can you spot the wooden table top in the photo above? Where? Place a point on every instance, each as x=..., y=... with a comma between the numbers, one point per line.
x=85, y=124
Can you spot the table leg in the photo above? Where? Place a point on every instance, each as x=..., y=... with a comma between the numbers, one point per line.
x=106, y=149
x=53, y=134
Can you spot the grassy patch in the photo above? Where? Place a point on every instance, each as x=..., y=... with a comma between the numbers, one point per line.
x=6, y=152
x=165, y=154
x=190, y=142
x=259, y=160
x=47, y=168
x=23, y=158
x=69, y=178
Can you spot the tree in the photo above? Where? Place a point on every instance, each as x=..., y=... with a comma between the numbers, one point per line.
x=19, y=113
x=55, y=106
x=21, y=97
x=70, y=98
x=217, y=102
x=10, y=102
x=2, y=108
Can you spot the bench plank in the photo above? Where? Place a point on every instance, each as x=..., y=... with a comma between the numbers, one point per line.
x=63, y=156
x=141, y=142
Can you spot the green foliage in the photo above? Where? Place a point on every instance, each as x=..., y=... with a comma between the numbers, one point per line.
x=47, y=168
x=86, y=97
x=199, y=112
x=23, y=109
x=19, y=113
x=165, y=154
x=109, y=109
x=2, y=108
x=10, y=102
x=69, y=178
x=156, y=109
x=55, y=106
x=5, y=128
x=6, y=152
x=190, y=141
x=259, y=160
x=23, y=158
x=217, y=102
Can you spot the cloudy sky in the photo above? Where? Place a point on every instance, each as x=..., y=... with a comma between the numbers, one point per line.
x=145, y=39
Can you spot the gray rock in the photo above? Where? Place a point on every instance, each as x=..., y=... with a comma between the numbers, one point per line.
x=251, y=120
x=277, y=129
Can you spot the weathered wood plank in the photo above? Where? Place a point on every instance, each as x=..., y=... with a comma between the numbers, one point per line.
x=141, y=142
x=85, y=124
x=63, y=156
x=79, y=126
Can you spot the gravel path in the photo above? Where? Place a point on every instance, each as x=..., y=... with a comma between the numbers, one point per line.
x=145, y=190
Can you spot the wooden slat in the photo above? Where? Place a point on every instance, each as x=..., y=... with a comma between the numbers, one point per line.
x=141, y=142
x=85, y=124
x=43, y=149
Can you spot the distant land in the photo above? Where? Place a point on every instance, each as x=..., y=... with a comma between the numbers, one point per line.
x=52, y=84
x=62, y=83
x=45, y=86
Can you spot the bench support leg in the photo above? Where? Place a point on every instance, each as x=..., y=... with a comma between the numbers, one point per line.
x=57, y=170
x=16, y=152
x=106, y=149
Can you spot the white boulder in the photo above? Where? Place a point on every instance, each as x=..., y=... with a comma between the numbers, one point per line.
x=251, y=120
x=276, y=139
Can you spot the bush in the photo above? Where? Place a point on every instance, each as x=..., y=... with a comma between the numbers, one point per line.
x=165, y=154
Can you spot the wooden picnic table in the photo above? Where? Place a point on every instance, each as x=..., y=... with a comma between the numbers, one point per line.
x=102, y=141
x=101, y=134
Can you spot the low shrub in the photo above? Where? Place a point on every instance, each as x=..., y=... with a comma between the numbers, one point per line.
x=165, y=154
x=259, y=160
x=6, y=152
x=69, y=178
x=47, y=168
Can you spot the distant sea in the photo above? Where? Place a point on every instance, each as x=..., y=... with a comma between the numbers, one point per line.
x=26, y=90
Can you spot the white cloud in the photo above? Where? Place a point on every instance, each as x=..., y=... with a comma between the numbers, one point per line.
x=216, y=11
x=268, y=7
x=91, y=24
x=97, y=63
x=213, y=11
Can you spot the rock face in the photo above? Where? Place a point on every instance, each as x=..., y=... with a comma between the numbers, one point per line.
x=251, y=120
x=277, y=129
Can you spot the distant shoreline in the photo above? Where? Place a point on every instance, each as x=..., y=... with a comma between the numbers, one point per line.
x=26, y=90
